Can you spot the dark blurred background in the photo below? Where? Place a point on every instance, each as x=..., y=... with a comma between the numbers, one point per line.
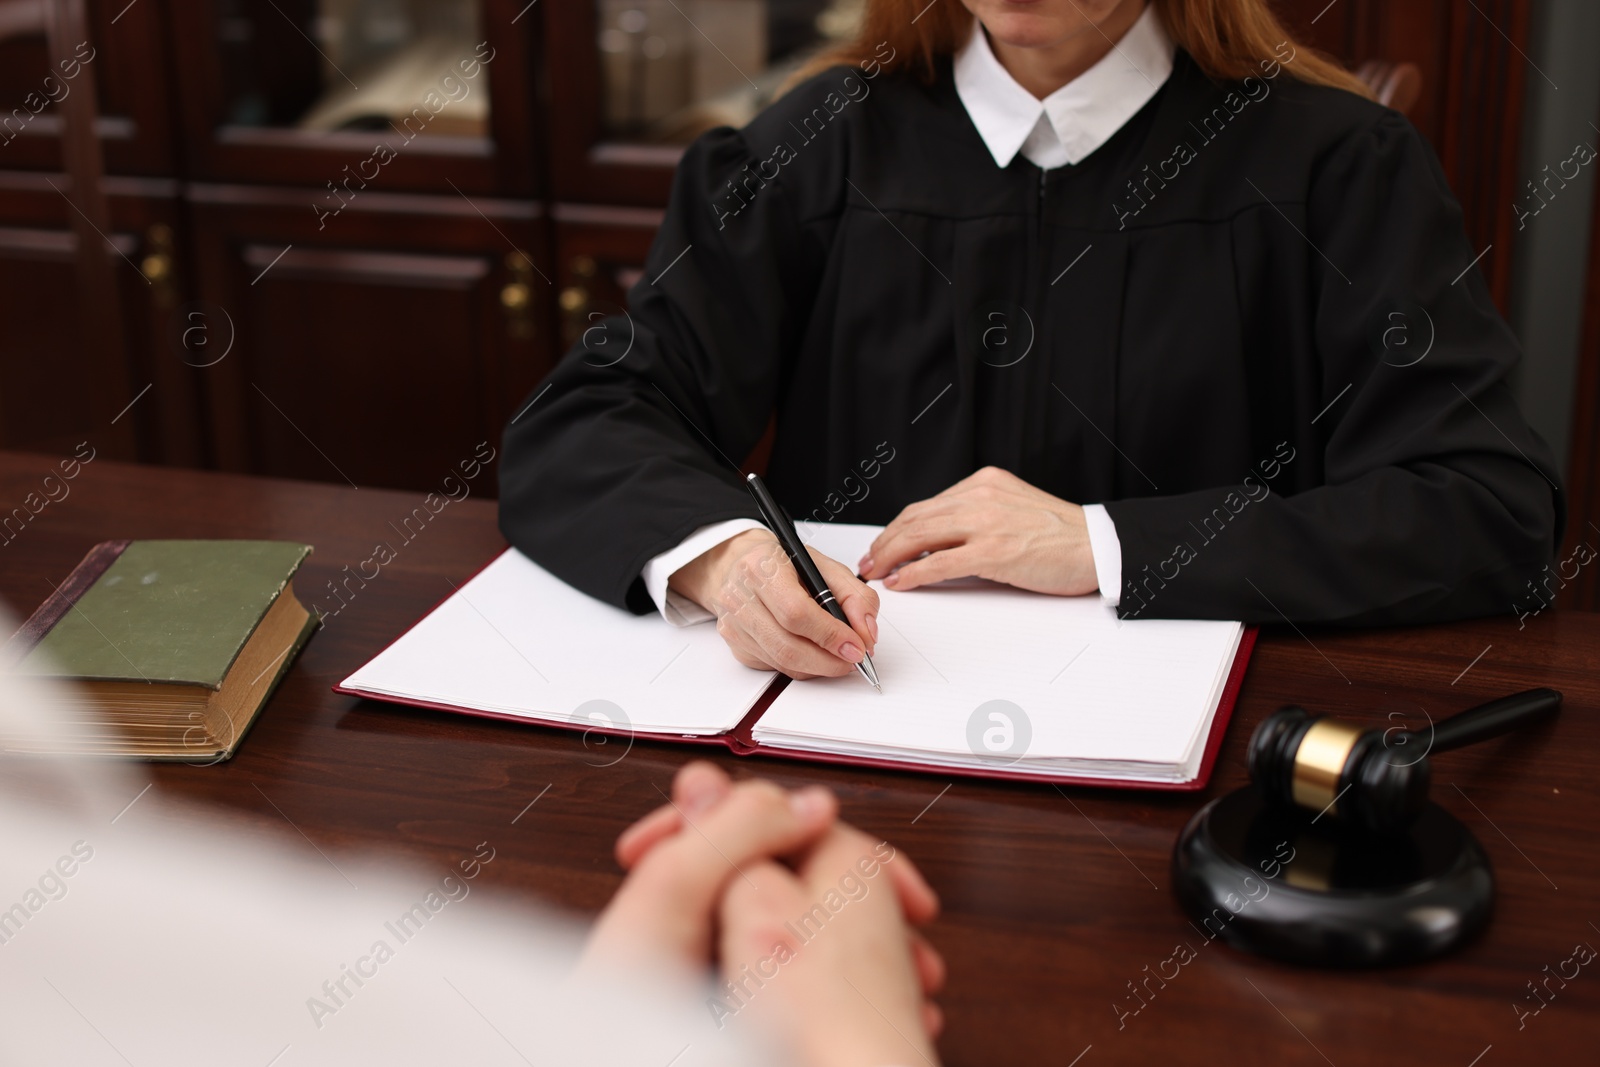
x=278, y=297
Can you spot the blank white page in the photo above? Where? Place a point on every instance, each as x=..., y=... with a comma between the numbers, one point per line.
x=1137, y=696
x=520, y=641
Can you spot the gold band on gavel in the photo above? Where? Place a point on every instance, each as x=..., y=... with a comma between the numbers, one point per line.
x=1319, y=761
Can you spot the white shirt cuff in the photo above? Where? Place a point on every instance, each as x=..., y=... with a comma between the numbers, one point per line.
x=677, y=609
x=1106, y=550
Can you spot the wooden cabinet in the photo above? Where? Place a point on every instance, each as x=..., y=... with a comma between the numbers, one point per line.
x=365, y=224
x=61, y=383
x=329, y=235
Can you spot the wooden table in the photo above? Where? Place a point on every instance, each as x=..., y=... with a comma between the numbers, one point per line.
x=1054, y=900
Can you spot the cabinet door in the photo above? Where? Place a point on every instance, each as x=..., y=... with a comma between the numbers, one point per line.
x=56, y=389
x=633, y=81
x=41, y=408
x=401, y=95
x=380, y=350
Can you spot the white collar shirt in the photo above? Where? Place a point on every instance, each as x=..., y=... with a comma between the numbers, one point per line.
x=1070, y=123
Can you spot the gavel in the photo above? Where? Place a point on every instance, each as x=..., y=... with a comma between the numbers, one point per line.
x=1350, y=772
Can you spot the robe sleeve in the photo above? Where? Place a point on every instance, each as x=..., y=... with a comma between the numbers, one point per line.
x=1419, y=494
x=616, y=458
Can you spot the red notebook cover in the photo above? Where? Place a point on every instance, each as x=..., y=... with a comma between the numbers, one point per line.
x=740, y=742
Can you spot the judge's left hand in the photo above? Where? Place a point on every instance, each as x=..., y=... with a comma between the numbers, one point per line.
x=991, y=525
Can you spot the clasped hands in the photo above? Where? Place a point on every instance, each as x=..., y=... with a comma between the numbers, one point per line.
x=991, y=525
x=808, y=920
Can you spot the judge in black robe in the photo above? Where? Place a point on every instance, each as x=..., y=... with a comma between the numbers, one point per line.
x=1249, y=325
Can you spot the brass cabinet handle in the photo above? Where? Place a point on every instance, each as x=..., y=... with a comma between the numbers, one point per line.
x=159, y=265
x=516, y=297
x=575, y=299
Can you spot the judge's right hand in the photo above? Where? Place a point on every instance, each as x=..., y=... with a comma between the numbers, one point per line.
x=765, y=614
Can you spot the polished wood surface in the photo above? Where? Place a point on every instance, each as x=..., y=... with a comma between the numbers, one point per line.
x=1054, y=900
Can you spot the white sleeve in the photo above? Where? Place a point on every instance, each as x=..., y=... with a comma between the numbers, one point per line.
x=680, y=610
x=1106, y=550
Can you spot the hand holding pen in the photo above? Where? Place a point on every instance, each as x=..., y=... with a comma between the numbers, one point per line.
x=765, y=614
x=782, y=528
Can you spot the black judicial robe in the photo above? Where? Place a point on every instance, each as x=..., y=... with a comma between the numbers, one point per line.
x=1248, y=324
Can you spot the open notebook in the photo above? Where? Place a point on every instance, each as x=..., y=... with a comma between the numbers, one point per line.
x=978, y=678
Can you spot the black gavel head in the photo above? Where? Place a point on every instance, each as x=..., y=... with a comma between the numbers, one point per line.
x=1340, y=770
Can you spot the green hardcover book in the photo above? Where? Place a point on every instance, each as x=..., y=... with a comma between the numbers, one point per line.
x=175, y=645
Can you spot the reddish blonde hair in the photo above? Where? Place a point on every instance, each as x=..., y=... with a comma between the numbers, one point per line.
x=1228, y=40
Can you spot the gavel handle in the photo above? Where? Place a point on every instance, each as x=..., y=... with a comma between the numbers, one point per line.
x=1494, y=718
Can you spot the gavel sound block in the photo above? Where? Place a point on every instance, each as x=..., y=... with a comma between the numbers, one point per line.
x=1335, y=857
